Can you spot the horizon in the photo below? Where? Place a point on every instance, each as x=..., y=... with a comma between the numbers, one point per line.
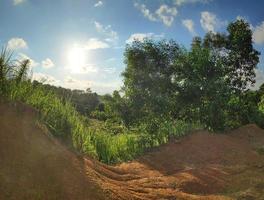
x=80, y=44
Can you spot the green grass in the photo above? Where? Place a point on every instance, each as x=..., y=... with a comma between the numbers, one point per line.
x=128, y=144
x=108, y=142
x=95, y=139
x=260, y=150
x=60, y=117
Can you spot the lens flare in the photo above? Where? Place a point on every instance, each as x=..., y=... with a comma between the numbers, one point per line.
x=76, y=59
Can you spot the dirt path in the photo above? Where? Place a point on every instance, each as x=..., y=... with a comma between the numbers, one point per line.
x=200, y=166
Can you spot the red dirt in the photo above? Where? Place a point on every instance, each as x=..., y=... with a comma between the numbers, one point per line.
x=34, y=166
x=199, y=166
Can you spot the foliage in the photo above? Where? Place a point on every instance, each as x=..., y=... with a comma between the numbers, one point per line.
x=238, y=54
x=202, y=88
x=112, y=148
x=5, y=67
x=85, y=102
x=113, y=108
x=196, y=85
x=108, y=141
x=168, y=91
x=157, y=131
x=147, y=77
x=244, y=109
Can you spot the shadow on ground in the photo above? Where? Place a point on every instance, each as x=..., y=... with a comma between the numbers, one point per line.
x=33, y=165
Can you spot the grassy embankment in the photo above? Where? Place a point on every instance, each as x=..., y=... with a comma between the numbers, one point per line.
x=91, y=138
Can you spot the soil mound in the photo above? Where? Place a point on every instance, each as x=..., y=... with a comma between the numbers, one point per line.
x=33, y=165
x=200, y=166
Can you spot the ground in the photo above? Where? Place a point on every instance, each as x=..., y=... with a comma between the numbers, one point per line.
x=34, y=165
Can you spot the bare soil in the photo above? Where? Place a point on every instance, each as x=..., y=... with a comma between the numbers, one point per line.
x=34, y=165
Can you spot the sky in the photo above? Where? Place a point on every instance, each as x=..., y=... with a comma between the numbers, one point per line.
x=79, y=44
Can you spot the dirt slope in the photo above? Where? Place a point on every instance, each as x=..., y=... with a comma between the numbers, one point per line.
x=200, y=166
x=34, y=166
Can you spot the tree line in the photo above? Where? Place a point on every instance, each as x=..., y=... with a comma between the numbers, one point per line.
x=168, y=90
x=208, y=83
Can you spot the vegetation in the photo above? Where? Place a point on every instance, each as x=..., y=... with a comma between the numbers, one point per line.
x=199, y=84
x=168, y=91
x=107, y=141
x=84, y=101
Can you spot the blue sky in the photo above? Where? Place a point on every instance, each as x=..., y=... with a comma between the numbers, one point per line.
x=80, y=43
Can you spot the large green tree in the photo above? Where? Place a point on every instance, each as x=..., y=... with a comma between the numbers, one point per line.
x=202, y=87
x=148, y=75
x=215, y=73
x=236, y=49
x=199, y=84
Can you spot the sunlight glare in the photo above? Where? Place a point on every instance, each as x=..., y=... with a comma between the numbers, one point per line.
x=76, y=59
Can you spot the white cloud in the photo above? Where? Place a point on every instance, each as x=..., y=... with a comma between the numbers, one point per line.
x=73, y=83
x=16, y=43
x=146, y=12
x=119, y=47
x=90, y=68
x=98, y=4
x=82, y=69
x=181, y=2
x=164, y=13
x=97, y=86
x=106, y=87
x=109, y=70
x=107, y=31
x=101, y=87
x=45, y=78
x=259, y=79
x=22, y=57
x=258, y=34
x=141, y=36
x=239, y=17
x=47, y=63
x=111, y=59
x=87, y=69
x=210, y=22
x=189, y=24
x=94, y=43
x=17, y=2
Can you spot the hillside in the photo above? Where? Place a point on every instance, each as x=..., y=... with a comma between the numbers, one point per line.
x=33, y=165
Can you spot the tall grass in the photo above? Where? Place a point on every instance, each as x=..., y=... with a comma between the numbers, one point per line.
x=60, y=117
x=5, y=68
x=112, y=148
x=65, y=122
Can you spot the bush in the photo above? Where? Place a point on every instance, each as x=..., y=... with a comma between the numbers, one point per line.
x=157, y=131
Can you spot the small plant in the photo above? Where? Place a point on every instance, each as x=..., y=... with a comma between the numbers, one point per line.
x=260, y=150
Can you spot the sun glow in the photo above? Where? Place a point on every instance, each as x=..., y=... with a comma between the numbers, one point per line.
x=76, y=59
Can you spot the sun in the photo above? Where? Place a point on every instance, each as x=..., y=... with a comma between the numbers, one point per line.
x=76, y=59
